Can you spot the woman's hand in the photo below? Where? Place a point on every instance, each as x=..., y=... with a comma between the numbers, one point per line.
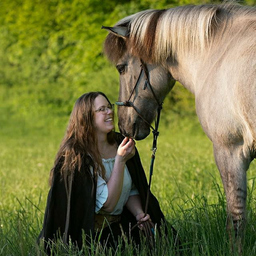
x=126, y=149
x=141, y=217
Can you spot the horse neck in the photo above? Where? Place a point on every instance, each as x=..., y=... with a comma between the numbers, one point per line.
x=185, y=71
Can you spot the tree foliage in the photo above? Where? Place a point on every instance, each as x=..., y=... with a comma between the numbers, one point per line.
x=52, y=49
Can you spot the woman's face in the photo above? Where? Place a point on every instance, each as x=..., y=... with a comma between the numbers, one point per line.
x=103, y=115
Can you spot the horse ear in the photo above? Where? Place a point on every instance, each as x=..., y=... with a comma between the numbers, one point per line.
x=118, y=31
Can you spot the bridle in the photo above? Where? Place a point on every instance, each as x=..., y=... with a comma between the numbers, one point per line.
x=155, y=131
x=129, y=103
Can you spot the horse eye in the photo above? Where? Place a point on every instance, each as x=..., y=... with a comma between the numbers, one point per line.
x=121, y=68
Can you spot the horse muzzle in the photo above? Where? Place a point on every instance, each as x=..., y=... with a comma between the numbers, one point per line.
x=137, y=131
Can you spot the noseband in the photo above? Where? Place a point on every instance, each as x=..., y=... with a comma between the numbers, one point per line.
x=155, y=132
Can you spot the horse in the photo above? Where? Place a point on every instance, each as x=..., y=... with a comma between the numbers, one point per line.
x=211, y=50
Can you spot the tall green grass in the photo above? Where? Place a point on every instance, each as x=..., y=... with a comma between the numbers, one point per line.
x=185, y=181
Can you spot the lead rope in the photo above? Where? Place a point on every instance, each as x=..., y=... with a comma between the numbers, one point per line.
x=128, y=103
x=154, y=148
x=153, y=156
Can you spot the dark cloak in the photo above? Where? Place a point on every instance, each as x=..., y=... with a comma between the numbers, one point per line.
x=71, y=201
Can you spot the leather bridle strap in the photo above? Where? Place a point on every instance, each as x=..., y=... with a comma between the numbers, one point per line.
x=147, y=82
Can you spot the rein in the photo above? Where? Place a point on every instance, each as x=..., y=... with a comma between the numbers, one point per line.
x=154, y=148
x=155, y=131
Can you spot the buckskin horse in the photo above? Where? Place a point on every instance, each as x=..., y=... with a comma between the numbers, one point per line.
x=211, y=50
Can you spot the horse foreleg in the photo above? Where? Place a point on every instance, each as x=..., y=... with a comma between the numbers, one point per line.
x=233, y=165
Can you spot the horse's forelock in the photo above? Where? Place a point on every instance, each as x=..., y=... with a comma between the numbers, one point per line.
x=142, y=27
x=114, y=47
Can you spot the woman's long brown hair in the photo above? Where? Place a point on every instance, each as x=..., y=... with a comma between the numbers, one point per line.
x=80, y=140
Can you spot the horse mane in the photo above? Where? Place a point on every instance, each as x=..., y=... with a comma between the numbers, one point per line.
x=191, y=27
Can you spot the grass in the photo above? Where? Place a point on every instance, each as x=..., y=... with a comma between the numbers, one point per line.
x=185, y=181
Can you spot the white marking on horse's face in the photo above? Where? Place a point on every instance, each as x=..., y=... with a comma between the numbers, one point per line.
x=136, y=123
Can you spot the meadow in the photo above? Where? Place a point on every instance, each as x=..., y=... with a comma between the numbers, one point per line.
x=51, y=53
x=185, y=181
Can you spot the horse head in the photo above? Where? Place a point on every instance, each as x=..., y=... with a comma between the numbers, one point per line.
x=143, y=84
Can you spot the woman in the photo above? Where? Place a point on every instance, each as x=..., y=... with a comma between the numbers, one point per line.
x=97, y=181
